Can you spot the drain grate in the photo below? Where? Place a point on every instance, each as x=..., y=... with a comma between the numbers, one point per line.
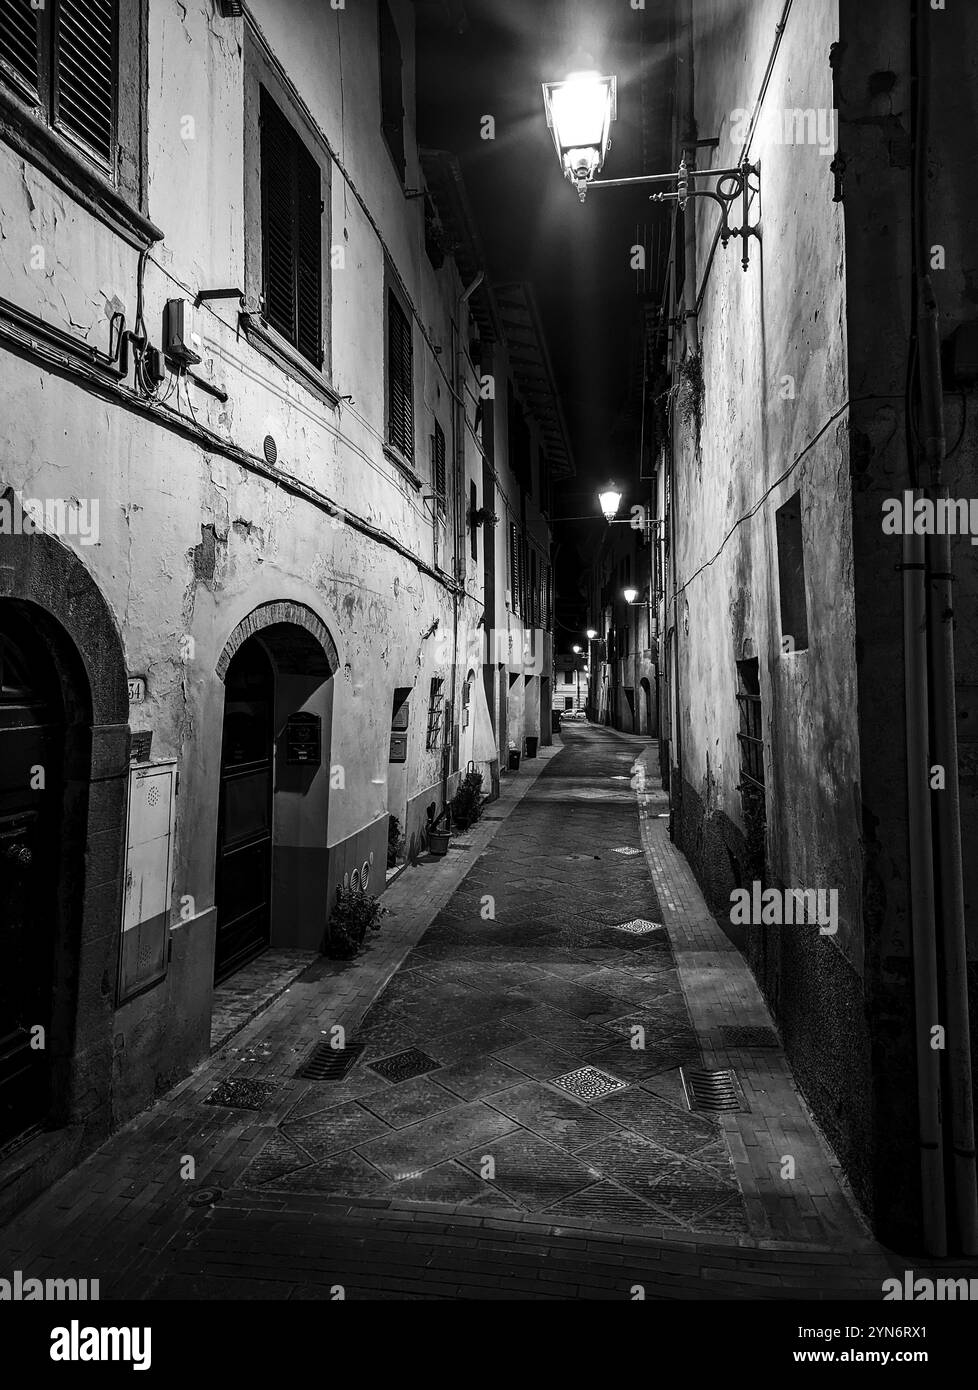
x=749, y=1037
x=625, y=849
x=328, y=1063
x=588, y=1083
x=639, y=926
x=241, y=1093
x=404, y=1065
x=712, y=1090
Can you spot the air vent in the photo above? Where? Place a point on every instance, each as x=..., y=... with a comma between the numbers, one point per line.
x=271, y=451
x=328, y=1063
x=713, y=1091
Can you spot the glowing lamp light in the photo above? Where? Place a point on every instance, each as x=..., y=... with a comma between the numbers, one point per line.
x=576, y=651
x=630, y=595
x=609, y=501
x=591, y=634
x=580, y=111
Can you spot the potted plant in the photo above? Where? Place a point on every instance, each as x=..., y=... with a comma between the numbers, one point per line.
x=466, y=805
x=355, y=913
x=438, y=838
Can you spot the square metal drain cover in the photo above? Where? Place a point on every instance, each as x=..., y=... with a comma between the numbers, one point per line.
x=639, y=926
x=588, y=1083
x=625, y=849
x=404, y=1065
x=242, y=1093
x=749, y=1037
x=327, y=1063
x=712, y=1090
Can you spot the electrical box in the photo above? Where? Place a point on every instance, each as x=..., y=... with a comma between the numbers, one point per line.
x=149, y=861
x=181, y=341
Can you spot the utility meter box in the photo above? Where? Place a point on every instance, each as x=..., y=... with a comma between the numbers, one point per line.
x=181, y=341
x=149, y=866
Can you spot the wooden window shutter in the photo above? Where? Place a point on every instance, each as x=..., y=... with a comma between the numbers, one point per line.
x=20, y=41
x=85, y=74
x=438, y=467
x=400, y=375
x=292, y=217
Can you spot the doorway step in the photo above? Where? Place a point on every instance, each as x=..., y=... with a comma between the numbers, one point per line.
x=249, y=991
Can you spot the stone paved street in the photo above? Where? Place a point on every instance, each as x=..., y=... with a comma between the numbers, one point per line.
x=514, y=1124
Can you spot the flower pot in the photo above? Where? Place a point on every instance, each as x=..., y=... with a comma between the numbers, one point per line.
x=438, y=842
x=514, y=760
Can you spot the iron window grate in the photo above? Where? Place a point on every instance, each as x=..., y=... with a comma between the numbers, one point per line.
x=328, y=1063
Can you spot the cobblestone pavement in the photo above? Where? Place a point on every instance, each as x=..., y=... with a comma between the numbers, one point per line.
x=513, y=1124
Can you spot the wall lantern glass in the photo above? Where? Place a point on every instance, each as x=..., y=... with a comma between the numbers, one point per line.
x=580, y=111
x=591, y=634
x=630, y=595
x=610, y=501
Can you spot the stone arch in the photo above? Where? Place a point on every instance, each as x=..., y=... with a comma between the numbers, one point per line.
x=280, y=614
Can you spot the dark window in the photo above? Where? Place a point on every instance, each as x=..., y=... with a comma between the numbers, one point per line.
x=391, y=94
x=519, y=442
x=65, y=58
x=400, y=378
x=438, y=467
x=568, y=702
x=791, y=576
x=473, y=532
x=292, y=252
x=750, y=733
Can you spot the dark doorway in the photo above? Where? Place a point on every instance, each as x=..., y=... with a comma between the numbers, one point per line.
x=32, y=736
x=244, y=831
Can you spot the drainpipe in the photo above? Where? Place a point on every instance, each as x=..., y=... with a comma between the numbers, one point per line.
x=947, y=802
x=947, y=805
x=458, y=508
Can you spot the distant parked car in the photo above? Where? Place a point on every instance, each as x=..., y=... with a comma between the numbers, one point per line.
x=573, y=714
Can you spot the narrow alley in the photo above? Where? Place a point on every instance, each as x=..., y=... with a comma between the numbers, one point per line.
x=512, y=1124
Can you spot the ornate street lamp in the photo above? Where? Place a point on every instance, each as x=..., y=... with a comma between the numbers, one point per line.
x=609, y=501
x=580, y=112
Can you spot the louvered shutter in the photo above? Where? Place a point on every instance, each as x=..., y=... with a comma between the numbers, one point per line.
x=19, y=41
x=400, y=372
x=439, y=467
x=86, y=60
x=514, y=567
x=292, y=231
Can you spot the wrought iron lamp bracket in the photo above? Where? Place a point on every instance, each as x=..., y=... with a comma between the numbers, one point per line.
x=741, y=183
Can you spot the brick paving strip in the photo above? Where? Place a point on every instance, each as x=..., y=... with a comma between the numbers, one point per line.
x=380, y=1185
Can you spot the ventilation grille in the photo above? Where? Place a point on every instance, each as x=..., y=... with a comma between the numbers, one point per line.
x=327, y=1063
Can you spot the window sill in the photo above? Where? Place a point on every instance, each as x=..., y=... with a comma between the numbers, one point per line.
x=272, y=345
x=399, y=461
x=47, y=151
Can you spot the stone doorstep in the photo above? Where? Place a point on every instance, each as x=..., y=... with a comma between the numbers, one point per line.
x=259, y=1002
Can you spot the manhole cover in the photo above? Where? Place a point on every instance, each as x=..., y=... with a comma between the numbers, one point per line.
x=587, y=1083
x=206, y=1197
x=749, y=1037
x=638, y=927
x=712, y=1090
x=241, y=1093
x=328, y=1063
x=625, y=849
x=404, y=1065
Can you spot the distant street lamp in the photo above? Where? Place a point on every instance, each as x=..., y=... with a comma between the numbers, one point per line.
x=580, y=112
x=576, y=651
x=591, y=634
x=630, y=596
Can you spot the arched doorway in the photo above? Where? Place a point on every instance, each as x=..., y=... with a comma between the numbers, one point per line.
x=271, y=868
x=32, y=742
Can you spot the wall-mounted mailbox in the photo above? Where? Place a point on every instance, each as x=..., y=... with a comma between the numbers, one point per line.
x=304, y=739
x=398, y=748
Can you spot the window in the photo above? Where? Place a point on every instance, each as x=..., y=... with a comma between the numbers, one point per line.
x=287, y=174
x=519, y=441
x=791, y=576
x=60, y=66
x=391, y=94
x=438, y=467
x=473, y=532
x=514, y=567
x=292, y=251
x=400, y=378
x=436, y=714
x=750, y=734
